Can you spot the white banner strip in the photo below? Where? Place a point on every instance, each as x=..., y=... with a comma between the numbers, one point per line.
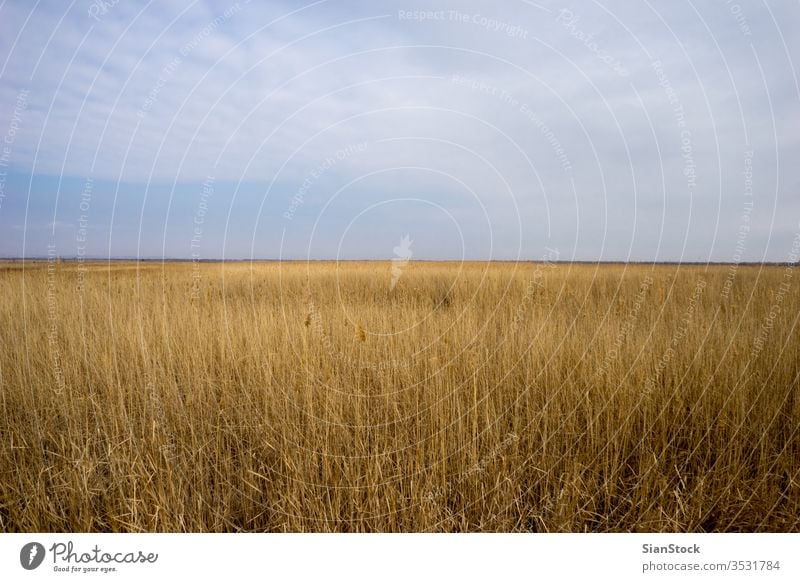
x=373, y=557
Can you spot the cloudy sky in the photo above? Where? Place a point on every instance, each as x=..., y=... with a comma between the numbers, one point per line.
x=504, y=130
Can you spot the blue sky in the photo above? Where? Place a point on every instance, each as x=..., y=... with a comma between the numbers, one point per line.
x=608, y=131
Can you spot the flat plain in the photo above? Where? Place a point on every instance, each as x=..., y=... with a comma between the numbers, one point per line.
x=377, y=396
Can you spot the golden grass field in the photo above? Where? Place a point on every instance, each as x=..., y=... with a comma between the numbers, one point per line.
x=470, y=397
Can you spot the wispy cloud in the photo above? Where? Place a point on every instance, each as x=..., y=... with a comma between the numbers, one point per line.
x=470, y=106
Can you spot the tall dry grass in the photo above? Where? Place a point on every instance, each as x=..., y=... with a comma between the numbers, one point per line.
x=471, y=397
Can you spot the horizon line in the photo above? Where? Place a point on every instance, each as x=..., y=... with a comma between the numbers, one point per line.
x=75, y=259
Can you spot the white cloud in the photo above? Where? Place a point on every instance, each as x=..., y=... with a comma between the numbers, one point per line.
x=162, y=94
